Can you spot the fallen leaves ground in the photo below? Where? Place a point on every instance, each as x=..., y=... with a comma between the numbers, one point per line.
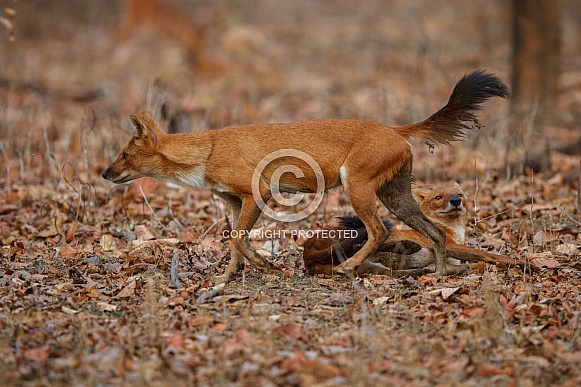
x=86, y=290
x=92, y=302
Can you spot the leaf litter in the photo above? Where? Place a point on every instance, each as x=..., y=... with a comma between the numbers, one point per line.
x=101, y=302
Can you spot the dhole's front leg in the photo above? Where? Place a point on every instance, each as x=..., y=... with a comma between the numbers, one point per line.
x=249, y=214
x=236, y=260
x=245, y=214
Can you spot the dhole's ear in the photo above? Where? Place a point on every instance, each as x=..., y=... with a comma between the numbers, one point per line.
x=140, y=129
x=420, y=194
x=147, y=118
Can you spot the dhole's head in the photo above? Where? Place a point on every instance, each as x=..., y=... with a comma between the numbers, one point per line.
x=140, y=157
x=442, y=203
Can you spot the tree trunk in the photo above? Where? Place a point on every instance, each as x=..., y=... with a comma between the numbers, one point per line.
x=536, y=49
x=535, y=78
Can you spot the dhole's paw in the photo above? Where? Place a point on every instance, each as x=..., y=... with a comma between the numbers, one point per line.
x=373, y=268
x=222, y=279
x=260, y=264
x=264, y=268
x=340, y=269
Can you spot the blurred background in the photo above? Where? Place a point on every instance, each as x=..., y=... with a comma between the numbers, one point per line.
x=72, y=70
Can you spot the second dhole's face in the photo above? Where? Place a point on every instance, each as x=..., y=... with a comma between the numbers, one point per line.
x=445, y=202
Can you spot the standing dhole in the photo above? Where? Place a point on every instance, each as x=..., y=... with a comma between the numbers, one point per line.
x=370, y=160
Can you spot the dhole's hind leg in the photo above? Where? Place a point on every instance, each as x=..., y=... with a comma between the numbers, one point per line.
x=363, y=202
x=396, y=195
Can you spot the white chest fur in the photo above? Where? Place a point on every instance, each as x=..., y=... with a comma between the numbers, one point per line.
x=194, y=178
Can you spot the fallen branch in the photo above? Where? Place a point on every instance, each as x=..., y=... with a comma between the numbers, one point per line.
x=174, y=272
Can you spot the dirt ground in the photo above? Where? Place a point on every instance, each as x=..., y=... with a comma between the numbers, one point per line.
x=86, y=292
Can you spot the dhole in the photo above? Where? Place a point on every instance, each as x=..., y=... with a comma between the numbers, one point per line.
x=370, y=160
x=404, y=249
x=443, y=205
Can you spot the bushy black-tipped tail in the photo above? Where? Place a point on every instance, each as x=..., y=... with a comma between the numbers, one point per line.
x=354, y=223
x=451, y=122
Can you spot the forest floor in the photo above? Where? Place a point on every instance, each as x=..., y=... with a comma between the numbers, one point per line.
x=86, y=291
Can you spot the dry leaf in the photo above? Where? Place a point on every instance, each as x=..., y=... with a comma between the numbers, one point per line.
x=567, y=249
x=542, y=237
x=49, y=231
x=542, y=260
x=381, y=301
x=219, y=326
x=320, y=368
x=539, y=207
x=292, y=331
x=444, y=292
x=68, y=310
x=197, y=321
x=143, y=233
x=472, y=312
x=37, y=354
x=106, y=307
x=176, y=341
x=128, y=290
x=68, y=251
x=138, y=245
x=108, y=243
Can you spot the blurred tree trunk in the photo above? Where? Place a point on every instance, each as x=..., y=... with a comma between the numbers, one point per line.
x=535, y=78
x=536, y=49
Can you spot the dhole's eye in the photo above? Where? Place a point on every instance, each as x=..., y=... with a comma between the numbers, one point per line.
x=439, y=197
x=460, y=195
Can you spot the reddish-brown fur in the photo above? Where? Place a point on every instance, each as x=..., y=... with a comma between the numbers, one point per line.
x=370, y=160
x=443, y=204
x=404, y=252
